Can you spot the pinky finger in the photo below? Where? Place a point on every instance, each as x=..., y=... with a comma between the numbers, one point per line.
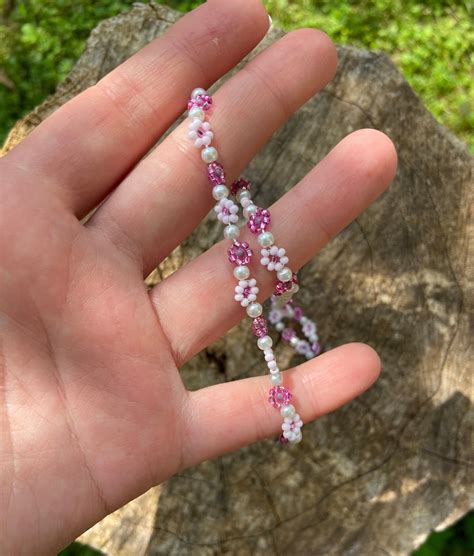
x=224, y=417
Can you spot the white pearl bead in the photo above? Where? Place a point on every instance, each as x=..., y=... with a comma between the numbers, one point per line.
x=285, y=274
x=248, y=211
x=254, y=310
x=295, y=288
x=265, y=239
x=274, y=371
x=242, y=272
x=276, y=379
x=287, y=410
x=198, y=91
x=209, y=154
x=264, y=342
x=279, y=326
x=269, y=356
x=196, y=112
x=246, y=202
x=271, y=365
x=231, y=231
x=294, y=341
x=220, y=192
x=299, y=438
x=243, y=194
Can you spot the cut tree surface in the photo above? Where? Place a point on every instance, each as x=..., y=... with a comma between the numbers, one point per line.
x=378, y=475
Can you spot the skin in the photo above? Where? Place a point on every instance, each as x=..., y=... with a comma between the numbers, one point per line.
x=92, y=408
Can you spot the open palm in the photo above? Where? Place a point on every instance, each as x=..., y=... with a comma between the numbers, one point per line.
x=93, y=410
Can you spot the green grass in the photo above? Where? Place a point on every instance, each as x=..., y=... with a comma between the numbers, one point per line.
x=431, y=42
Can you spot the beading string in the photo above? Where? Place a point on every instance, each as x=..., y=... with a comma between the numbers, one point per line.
x=240, y=254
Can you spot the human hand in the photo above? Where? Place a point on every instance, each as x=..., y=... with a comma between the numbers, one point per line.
x=93, y=410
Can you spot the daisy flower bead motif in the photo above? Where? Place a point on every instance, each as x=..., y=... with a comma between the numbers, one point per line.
x=279, y=396
x=239, y=253
x=246, y=291
x=200, y=132
x=259, y=220
x=226, y=211
x=291, y=428
x=309, y=328
x=275, y=316
x=199, y=100
x=274, y=258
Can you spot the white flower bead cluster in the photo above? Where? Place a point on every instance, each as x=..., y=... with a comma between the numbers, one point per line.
x=200, y=132
x=227, y=211
x=274, y=258
x=246, y=291
x=309, y=329
x=292, y=424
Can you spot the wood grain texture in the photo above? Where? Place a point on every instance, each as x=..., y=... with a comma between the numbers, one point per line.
x=378, y=475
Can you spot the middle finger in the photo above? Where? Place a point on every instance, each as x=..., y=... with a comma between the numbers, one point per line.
x=167, y=195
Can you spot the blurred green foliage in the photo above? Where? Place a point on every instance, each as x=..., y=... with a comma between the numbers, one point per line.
x=430, y=40
x=457, y=540
x=79, y=549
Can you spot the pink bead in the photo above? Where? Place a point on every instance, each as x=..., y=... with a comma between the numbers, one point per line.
x=240, y=253
x=279, y=396
x=282, y=287
x=201, y=101
x=259, y=327
x=239, y=184
x=288, y=334
x=215, y=173
x=282, y=439
x=298, y=312
x=279, y=288
x=259, y=221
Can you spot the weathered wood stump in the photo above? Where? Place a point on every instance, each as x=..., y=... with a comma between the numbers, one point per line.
x=376, y=476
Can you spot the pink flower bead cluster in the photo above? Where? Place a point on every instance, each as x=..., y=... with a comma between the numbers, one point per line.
x=240, y=254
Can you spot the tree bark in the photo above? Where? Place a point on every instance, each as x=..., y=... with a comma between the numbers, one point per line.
x=378, y=475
